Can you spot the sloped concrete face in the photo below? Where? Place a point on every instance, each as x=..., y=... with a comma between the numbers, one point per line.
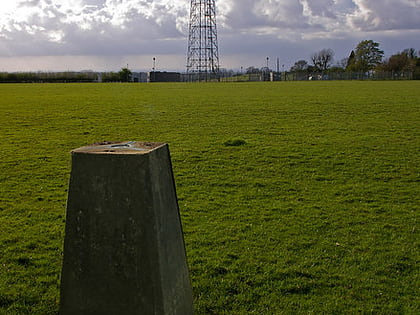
x=124, y=250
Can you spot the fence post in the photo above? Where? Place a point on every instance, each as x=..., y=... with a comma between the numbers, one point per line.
x=124, y=250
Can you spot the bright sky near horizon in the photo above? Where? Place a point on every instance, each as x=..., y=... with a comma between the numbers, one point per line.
x=102, y=35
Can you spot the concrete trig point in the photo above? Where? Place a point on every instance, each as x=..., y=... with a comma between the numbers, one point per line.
x=124, y=250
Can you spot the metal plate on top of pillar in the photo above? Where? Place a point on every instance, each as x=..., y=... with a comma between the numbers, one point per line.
x=124, y=249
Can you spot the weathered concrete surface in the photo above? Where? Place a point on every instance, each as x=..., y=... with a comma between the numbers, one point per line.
x=124, y=250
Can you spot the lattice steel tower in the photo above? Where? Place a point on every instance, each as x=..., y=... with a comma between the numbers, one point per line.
x=203, y=49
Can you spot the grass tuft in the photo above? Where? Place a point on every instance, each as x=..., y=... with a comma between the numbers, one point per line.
x=234, y=142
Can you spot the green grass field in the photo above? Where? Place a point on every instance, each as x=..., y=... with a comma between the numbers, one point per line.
x=295, y=197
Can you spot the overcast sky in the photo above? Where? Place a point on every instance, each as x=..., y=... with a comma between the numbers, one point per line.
x=103, y=35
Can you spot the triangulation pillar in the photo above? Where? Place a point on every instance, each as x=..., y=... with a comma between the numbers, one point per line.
x=124, y=249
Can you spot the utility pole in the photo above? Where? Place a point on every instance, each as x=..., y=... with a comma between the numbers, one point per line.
x=154, y=69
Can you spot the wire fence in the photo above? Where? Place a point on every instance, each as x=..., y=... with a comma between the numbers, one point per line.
x=332, y=76
x=228, y=76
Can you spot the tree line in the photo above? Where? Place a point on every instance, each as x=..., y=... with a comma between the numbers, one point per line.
x=366, y=57
x=124, y=75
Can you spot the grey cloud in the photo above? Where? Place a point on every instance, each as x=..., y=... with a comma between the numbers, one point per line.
x=248, y=14
x=362, y=14
x=29, y=3
x=373, y=15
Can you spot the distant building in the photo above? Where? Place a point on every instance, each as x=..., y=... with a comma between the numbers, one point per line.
x=139, y=77
x=157, y=76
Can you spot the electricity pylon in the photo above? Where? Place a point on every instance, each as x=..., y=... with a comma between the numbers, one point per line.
x=203, y=49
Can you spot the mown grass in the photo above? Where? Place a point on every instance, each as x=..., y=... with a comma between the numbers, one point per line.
x=296, y=198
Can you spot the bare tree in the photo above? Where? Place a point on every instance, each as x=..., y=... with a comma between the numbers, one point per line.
x=343, y=63
x=410, y=53
x=323, y=59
